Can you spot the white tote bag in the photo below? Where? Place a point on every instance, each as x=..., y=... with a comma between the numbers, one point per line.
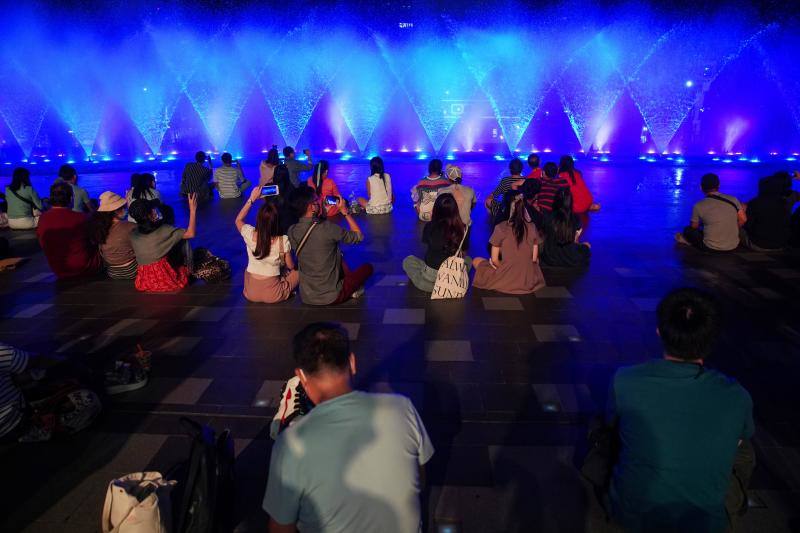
x=452, y=280
x=138, y=503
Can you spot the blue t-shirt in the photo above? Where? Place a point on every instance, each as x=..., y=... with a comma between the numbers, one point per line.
x=350, y=465
x=680, y=425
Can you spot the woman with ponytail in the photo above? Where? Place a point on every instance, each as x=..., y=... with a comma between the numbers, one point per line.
x=379, y=190
x=270, y=276
x=581, y=196
x=513, y=267
x=324, y=187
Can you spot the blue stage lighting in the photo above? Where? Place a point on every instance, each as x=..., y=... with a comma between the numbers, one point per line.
x=689, y=84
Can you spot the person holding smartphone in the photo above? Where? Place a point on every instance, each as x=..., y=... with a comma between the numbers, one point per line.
x=270, y=276
x=296, y=167
x=162, y=250
x=325, y=279
x=326, y=189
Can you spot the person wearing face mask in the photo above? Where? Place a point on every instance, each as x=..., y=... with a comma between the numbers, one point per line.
x=162, y=250
x=111, y=233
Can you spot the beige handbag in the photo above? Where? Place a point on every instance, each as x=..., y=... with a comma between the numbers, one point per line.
x=138, y=503
x=452, y=279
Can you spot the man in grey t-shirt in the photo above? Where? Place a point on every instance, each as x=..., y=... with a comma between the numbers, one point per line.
x=716, y=220
x=354, y=462
x=325, y=278
x=296, y=167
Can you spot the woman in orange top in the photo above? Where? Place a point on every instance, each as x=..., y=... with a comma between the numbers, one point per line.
x=582, y=200
x=324, y=186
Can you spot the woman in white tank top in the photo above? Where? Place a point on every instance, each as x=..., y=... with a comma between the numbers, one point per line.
x=379, y=188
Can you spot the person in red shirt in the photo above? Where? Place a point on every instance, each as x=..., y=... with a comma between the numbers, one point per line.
x=63, y=236
x=582, y=200
x=536, y=173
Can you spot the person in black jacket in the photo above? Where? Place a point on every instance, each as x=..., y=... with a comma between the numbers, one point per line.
x=769, y=214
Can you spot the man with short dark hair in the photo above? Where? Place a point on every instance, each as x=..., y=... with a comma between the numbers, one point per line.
x=63, y=236
x=325, y=279
x=536, y=173
x=681, y=425
x=296, y=167
x=80, y=198
x=551, y=181
x=716, y=220
x=196, y=177
x=230, y=180
x=354, y=462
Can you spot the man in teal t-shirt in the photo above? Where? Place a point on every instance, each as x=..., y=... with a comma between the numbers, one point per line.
x=80, y=198
x=354, y=462
x=680, y=426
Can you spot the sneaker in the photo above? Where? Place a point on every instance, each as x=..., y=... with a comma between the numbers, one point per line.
x=359, y=293
x=680, y=239
x=294, y=403
x=125, y=378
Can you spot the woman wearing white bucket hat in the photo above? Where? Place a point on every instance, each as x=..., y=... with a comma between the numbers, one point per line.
x=111, y=233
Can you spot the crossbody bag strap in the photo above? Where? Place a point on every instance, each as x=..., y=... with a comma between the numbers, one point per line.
x=305, y=238
x=281, y=252
x=466, y=230
x=30, y=203
x=725, y=200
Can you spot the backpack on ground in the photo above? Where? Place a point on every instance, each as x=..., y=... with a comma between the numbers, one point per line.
x=204, y=500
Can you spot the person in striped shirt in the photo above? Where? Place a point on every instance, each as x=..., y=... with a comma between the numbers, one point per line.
x=196, y=177
x=551, y=183
x=495, y=200
x=13, y=362
x=230, y=180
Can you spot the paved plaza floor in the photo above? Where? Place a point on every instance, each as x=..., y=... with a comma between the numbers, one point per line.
x=504, y=384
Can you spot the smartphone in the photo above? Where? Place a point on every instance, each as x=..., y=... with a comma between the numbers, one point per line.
x=270, y=190
x=331, y=200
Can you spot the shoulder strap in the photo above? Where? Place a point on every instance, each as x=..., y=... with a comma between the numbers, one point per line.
x=305, y=238
x=466, y=230
x=725, y=200
x=21, y=198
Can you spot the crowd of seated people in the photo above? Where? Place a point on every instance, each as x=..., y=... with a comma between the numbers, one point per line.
x=683, y=428
x=134, y=237
x=537, y=219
